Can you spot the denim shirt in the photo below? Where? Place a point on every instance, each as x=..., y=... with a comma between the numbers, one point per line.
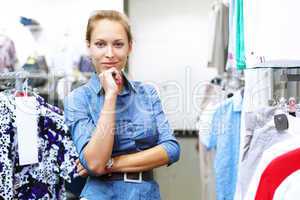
x=140, y=124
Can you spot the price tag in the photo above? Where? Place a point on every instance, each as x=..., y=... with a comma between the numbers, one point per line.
x=27, y=129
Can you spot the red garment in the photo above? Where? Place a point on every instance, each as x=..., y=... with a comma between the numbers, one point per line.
x=275, y=173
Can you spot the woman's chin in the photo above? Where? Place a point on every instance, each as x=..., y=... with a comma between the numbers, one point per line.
x=104, y=68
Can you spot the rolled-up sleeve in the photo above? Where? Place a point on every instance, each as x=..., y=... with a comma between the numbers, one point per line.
x=166, y=135
x=79, y=122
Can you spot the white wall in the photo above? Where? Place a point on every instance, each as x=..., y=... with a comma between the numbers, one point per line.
x=170, y=50
x=271, y=29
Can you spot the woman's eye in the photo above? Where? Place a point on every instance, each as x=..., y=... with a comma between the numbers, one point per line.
x=119, y=45
x=100, y=44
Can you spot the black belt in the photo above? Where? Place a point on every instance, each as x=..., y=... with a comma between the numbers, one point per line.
x=134, y=177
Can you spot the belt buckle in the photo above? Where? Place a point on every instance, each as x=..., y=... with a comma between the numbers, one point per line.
x=133, y=180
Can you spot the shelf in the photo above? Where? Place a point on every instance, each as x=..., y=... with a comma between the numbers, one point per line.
x=277, y=64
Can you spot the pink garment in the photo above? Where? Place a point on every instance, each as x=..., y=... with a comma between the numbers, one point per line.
x=7, y=54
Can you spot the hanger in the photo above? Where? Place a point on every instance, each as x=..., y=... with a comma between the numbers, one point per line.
x=281, y=119
x=242, y=92
x=21, y=87
x=24, y=89
x=21, y=84
x=216, y=81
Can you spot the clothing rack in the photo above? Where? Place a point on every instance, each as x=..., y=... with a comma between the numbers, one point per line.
x=289, y=84
x=290, y=77
x=278, y=64
x=18, y=76
x=230, y=80
x=283, y=79
x=22, y=75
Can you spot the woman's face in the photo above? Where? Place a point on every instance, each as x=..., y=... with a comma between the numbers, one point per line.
x=109, y=45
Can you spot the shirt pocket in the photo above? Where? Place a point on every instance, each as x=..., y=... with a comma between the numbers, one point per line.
x=145, y=134
x=124, y=133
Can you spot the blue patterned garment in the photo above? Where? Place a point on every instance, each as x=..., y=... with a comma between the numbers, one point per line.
x=225, y=138
x=140, y=124
x=57, y=155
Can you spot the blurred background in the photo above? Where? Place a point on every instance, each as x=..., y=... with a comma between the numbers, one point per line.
x=181, y=47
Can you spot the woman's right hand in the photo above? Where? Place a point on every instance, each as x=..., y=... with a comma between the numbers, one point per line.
x=80, y=169
x=111, y=81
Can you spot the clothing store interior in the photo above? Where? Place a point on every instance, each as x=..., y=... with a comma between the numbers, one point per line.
x=227, y=73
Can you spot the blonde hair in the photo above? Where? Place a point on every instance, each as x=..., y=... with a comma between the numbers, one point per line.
x=110, y=15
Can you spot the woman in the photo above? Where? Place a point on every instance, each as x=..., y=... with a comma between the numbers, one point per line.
x=117, y=125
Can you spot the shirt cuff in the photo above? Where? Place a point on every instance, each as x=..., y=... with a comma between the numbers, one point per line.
x=84, y=162
x=173, y=150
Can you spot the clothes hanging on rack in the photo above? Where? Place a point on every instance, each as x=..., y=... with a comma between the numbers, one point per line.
x=218, y=43
x=224, y=137
x=64, y=57
x=240, y=43
x=36, y=64
x=8, y=57
x=212, y=97
x=263, y=144
x=85, y=64
x=260, y=135
x=57, y=155
x=258, y=38
x=280, y=168
x=270, y=154
x=236, y=47
x=231, y=59
x=289, y=187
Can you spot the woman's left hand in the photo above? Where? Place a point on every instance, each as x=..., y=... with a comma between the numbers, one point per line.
x=80, y=169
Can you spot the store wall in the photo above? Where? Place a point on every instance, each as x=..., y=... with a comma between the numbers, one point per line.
x=170, y=51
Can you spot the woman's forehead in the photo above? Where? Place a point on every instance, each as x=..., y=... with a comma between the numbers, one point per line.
x=108, y=29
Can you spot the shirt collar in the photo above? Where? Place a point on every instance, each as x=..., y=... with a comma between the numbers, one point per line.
x=95, y=84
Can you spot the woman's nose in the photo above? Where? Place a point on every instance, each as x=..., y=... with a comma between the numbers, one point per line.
x=109, y=52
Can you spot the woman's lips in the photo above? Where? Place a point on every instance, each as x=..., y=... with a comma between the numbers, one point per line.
x=109, y=63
